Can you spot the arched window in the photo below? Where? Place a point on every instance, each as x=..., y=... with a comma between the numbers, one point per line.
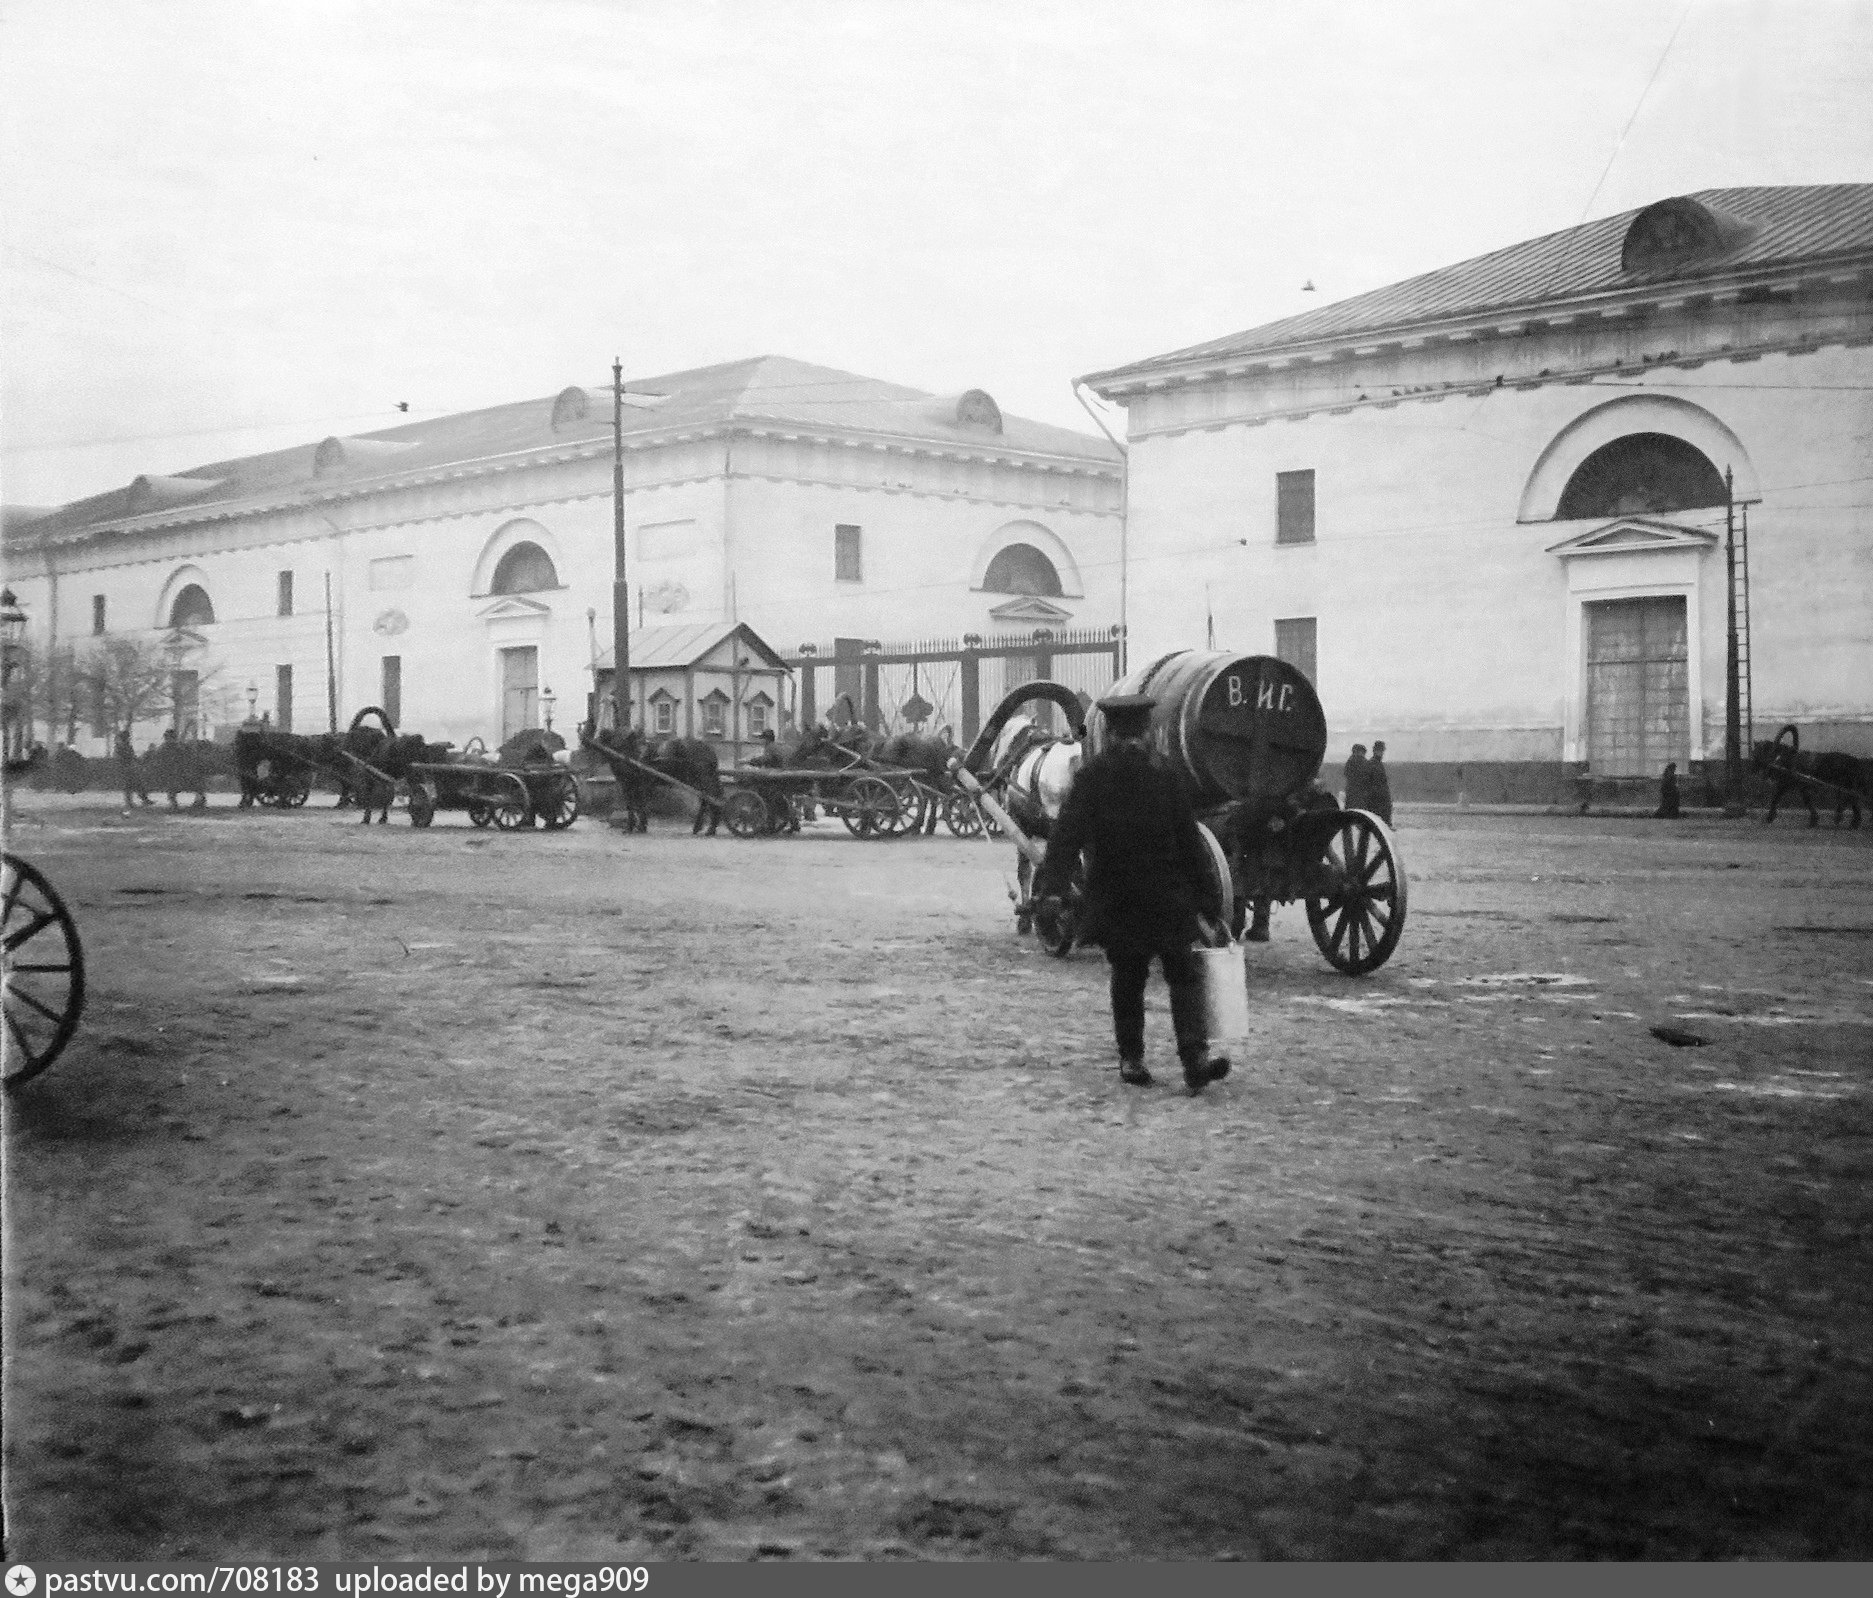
x=192, y=608
x=525, y=569
x=1022, y=569
x=1642, y=474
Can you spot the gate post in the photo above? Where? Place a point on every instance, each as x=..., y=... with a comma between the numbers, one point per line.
x=972, y=694
x=869, y=706
x=806, y=709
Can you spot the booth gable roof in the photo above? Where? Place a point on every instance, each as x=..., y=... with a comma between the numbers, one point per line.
x=677, y=648
x=1760, y=227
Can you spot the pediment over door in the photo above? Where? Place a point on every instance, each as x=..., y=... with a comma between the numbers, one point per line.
x=511, y=607
x=1635, y=535
x=1032, y=609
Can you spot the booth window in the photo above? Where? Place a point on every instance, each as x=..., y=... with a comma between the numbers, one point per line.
x=848, y=563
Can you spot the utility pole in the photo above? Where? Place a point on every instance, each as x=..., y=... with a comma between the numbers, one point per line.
x=620, y=589
x=331, y=659
x=1732, y=685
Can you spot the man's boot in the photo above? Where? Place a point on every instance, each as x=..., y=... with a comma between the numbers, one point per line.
x=1133, y=1073
x=1258, y=926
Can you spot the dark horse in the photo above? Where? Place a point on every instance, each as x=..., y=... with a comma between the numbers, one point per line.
x=1784, y=761
x=853, y=746
x=258, y=755
x=689, y=761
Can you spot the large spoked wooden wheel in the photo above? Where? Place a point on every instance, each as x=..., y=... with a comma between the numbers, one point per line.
x=873, y=808
x=961, y=816
x=44, y=972
x=559, y=806
x=910, y=814
x=1359, y=922
x=745, y=814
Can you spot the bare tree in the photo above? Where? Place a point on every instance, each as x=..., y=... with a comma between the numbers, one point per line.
x=133, y=679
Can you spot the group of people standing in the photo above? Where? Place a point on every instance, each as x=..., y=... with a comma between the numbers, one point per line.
x=1368, y=784
x=173, y=765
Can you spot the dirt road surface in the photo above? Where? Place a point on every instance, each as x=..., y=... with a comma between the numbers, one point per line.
x=448, y=1193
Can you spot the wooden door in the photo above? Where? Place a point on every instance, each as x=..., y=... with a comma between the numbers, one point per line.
x=1638, y=687
x=520, y=690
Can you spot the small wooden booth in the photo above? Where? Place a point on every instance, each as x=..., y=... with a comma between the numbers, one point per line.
x=718, y=681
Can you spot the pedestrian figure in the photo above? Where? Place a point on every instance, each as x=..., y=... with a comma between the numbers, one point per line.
x=1583, y=786
x=1145, y=870
x=1379, y=784
x=182, y=769
x=1354, y=797
x=125, y=754
x=1668, y=794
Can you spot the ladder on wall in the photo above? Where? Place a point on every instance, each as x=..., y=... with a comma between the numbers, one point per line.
x=1739, y=578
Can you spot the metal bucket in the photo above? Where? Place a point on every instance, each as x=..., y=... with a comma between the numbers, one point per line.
x=1225, y=980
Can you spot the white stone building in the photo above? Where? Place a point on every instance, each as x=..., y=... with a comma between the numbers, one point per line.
x=470, y=557
x=1486, y=507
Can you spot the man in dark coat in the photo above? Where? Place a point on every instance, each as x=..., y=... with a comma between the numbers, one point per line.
x=182, y=769
x=125, y=754
x=1145, y=869
x=1668, y=797
x=1379, y=785
x=1353, y=796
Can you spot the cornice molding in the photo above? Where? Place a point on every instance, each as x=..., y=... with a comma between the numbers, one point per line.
x=1534, y=316
x=1478, y=388
x=547, y=456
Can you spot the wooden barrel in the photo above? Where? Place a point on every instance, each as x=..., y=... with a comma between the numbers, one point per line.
x=1233, y=727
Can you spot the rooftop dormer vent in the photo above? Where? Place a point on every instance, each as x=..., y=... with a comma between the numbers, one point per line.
x=1678, y=233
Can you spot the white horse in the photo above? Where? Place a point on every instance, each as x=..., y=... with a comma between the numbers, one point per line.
x=1040, y=770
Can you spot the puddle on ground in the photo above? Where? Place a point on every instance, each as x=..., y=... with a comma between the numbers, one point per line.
x=1370, y=1006
x=1527, y=979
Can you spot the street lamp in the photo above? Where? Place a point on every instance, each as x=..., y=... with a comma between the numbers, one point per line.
x=12, y=643
x=12, y=624
x=547, y=701
x=253, y=698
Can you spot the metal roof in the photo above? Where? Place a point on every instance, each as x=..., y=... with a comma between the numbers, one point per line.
x=1763, y=227
x=675, y=648
x=768, y=388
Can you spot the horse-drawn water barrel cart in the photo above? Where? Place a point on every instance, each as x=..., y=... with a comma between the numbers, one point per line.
x=44, y=976
x=1245, y=736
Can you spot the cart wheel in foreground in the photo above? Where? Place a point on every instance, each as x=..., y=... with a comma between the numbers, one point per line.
x=44, y=975
x=878, y=805
x=745, y=812
x=962, y=817
x=481, y=815
x=510, y=815
x=560, y=807
x=422, y=808
x=1359, y=923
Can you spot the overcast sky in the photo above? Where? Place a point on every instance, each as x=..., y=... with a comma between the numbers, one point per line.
x=235, y=226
